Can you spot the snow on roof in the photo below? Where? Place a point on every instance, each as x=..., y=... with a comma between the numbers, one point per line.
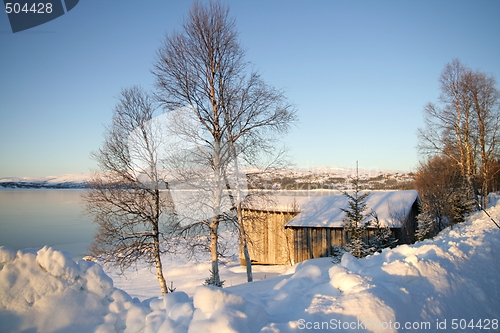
x=325, y=211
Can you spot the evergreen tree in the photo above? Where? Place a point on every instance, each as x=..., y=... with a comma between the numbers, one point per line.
x=382, y=237
x=337, y=253
x=426, y=224
x=354, y=223
x=460, y=205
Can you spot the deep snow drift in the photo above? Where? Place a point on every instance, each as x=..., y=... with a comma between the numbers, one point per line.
x=450, y=283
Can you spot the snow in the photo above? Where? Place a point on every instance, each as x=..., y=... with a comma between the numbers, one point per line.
x=348, y=172
x=326, y=211
x=60, y=181
x=448, y=283
x=64, y=178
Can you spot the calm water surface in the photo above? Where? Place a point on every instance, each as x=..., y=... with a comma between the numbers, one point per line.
x=38, y=217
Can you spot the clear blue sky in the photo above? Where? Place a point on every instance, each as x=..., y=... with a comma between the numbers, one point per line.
x=359, y=73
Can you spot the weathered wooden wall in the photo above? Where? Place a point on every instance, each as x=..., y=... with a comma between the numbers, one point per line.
x=268, y=240
x=310, y=243
x=270, y=243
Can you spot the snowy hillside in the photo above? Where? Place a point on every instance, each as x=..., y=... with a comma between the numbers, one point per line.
x=332, y=178
x=445, y=284
x=61, y=181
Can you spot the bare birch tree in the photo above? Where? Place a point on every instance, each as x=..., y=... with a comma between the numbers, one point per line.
x=485, y=100
x=203, y=68
x=465, y=126
x=125, y=196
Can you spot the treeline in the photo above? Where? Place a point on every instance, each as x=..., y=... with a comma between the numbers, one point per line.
x=460, y=143
x=388, y=181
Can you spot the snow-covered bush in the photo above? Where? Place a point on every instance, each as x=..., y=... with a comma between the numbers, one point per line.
x=337, y=253
x=213, y=281
x=425, y=226
x=382, y=237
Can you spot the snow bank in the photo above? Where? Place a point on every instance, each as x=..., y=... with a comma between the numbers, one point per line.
x=46, y=291
x=445, y=283
x=220, y=311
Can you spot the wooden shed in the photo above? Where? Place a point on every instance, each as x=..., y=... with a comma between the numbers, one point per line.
x=269, y=242
x=284, y=236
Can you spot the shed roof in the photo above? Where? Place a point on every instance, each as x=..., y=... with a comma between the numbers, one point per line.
x=392, y=207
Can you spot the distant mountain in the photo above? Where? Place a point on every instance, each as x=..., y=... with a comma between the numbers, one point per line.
x=333, y=178
x=50, y=182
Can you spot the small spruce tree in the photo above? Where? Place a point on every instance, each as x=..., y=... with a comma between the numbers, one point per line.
x=212, y=281
x=382, y=237
x=337, y=253
x=354, y=224
x=460, y=205
x=426, y=223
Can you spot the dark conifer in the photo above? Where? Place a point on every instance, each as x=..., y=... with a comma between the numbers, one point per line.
x=354, y=224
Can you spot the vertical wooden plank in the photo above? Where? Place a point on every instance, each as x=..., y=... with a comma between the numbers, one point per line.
x=318, y=242
x=303, y=244
x=290, y=243
x=277, y=237
x=337, y=237
x=314, y=241
x=324, y=246
x=332, y=239
x=271, y=239
x=285, y=257
x=291, y=246
x=308, y=242
x=276, y=232
x=285, y=252
x=263, y=237
x=300, y=238
x=264, y=234
x=254, y=236
x=281, y=254
x=329, y=241
x=296, y=245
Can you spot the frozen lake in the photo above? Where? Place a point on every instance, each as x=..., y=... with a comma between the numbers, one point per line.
x=38, y=217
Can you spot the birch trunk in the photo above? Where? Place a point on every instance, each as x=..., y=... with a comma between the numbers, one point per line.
x=239, y=212
x=214, y=224
x=159, y=267
x=157, y=251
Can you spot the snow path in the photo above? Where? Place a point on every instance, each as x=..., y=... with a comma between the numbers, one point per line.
x=448, y=282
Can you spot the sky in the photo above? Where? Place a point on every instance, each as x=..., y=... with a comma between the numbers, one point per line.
x=359, y=74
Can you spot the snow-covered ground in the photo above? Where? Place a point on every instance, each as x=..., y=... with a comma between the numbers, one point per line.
x=449, y=283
